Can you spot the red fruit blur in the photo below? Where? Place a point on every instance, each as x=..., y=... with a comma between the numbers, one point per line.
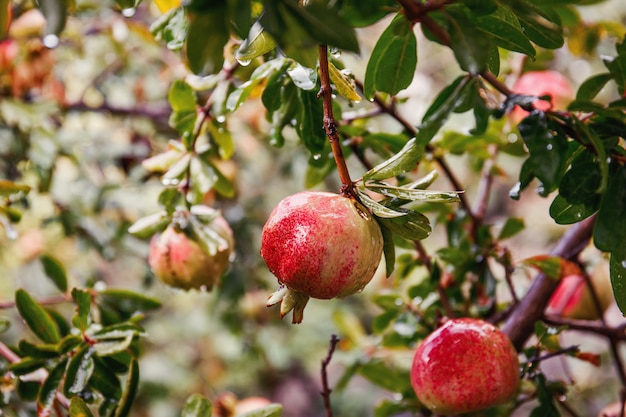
x=180, y=262
x=322, y=244
x=542, y=83
x=573, y=298
x=465, y=365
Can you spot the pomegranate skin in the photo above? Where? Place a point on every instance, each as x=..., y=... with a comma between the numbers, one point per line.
x=180, y=262
x=465, y=365
x=322, y=244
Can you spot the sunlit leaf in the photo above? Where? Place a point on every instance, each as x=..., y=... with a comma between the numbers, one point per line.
x=197, y=406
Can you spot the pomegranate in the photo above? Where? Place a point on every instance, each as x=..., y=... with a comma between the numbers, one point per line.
x=573, y=299
x=319, y=245
x=465, y=365
x=543, y=83
x=179, y=261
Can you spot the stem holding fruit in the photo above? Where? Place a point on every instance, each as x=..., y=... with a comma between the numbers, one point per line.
x=330, y=125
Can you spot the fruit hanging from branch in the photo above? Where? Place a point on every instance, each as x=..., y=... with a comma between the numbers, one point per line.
x=319, y=245
x=189, y=254
x=465, y=365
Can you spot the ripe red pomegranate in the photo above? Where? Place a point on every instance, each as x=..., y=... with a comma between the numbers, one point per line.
x=573, y=298
x=180, y=262
x=465, y=365
x=542, y=83
x=319, y=245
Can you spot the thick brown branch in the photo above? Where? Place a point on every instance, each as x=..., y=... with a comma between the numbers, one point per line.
x=521, y=322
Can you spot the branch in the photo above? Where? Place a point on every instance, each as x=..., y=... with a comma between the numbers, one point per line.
x=330, y=125
x=334, y=340
x=55, y=299
x=521, y=322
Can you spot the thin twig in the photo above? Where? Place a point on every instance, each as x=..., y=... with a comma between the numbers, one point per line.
x=564, y=351
x=334, y=340
x=8, y=354
x=55, y=299
x=330, y=125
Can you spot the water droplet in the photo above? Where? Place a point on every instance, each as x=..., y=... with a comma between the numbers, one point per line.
x=244, y=62
x=623, y=263
x=398, y=302
x=220, y=119
x=129, y=12
x=51, y=41
x=232, y=257
x=317, y=156
x=203, y=288
x=514, y=193
x=549, y=146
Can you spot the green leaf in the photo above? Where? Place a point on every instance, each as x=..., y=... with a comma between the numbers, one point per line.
x=310, y=125
x=37, y=318
x=4, y=324
x=181, y=97
x=549, y=265
x=364, y=13
x=506, y=31
x=617, y=68
x=592, y=86
x=115, y=341
x=391, y=66
x=208, y=33
x=223, y=138
x=401, y=162
x=82, y=299
x=55, y=271
x=617, y=269
x=470, y=45
x=105, y=381
x=258, y=43
x=389, y=251
x=324, y=24
x=147, y=226
x=543, y=27
x=378, y=209
x=79, y=370
x=564, y=212
x=448, y=100
x=386, y=376
x=271, y=410
x=413, y=226
x=197, y=406
x=511, y=227
x=48, y=391
x=581, y=183
x=78, y=408
x=130, y=390
x=609, y=232
x=302, y=77
x=27, y=365
x=547, y=144
x=413, y=194
x=264, y=71
x=343, y=84
x=171, y=28
x=55, y=12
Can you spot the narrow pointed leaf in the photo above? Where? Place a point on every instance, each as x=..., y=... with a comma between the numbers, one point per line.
x=401, y=162
x=37, y=318
x=79, y=370
x=49, y=388
x=130, y=390
x=391, y=66
x=55, y=271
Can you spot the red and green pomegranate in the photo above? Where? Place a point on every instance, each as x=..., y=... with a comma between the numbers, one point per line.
x=465, y=365
x=319, y=245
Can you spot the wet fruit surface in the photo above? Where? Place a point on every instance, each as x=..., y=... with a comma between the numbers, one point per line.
x=180, y=262
x=465, y=365
x=322, y=244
